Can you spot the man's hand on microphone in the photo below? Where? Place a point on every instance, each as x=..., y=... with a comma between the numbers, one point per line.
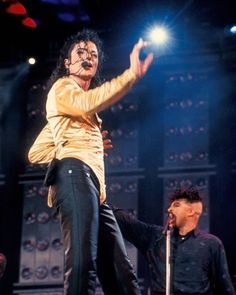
x=138, y=66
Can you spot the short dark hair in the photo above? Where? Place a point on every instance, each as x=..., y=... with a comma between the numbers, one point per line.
x=191, y=195
x=84, y=35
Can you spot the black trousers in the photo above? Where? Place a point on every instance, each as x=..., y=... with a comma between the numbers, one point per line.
x=92, y=239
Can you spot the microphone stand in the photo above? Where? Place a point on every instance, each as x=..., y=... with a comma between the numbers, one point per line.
x=167, y=233
x=168, y=261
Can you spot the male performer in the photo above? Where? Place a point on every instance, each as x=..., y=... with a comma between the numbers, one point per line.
x=198, y=260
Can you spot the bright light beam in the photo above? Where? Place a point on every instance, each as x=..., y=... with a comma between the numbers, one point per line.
x=158, y=35
x=233, y=29
x=31, y=60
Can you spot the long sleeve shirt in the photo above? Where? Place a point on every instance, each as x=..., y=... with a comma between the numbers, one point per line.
x=74, y=126
x=198, y=260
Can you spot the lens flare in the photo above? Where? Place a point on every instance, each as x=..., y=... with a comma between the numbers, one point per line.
x=159, y=35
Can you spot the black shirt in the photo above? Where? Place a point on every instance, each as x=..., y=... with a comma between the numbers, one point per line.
x=198, y=260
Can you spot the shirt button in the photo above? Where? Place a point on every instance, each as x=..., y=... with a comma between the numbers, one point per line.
x=69, y=171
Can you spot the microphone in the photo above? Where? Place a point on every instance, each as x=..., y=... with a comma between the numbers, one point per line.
x=85, y=64
x=166, y=226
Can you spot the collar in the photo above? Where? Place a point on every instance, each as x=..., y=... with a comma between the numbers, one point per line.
x=193, y=232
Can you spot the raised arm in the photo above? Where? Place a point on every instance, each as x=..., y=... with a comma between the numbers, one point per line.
x=67, y=98
x=135, y=231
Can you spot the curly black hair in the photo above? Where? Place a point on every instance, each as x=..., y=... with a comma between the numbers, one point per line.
x=191, y=195
x=85, y=35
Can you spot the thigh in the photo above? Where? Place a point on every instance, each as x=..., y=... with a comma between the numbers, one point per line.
x=74, y=182
x=77, y=200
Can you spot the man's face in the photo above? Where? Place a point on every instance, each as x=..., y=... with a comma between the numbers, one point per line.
x=178, y=212
x=83, y=51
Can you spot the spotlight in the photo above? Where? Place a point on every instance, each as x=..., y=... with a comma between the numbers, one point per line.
x=16, y=8
x=230, y=30
x=233, y=29
x=160, y=38
x=29, y=22
x=159, y=35
x=31, y=60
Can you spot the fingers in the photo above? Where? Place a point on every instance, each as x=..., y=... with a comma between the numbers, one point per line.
x=137, y=47
x=104, y=133
x=140, y=45
x=107, y=145
x=138, y=66
x=147, y=62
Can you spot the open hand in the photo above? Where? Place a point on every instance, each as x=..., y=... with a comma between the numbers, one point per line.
x=138, y=66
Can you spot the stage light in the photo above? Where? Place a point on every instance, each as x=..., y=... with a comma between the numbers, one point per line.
x=160, y=39
x=41, y=272
x=233, y=29
x=26, y=273
x=159, y=35
x=16, y=8
x=31, y=60
x=230, y=30
x=115, y=187
x=131, y=187
x=66, y=17
x=56, y=272
x=29, y=22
